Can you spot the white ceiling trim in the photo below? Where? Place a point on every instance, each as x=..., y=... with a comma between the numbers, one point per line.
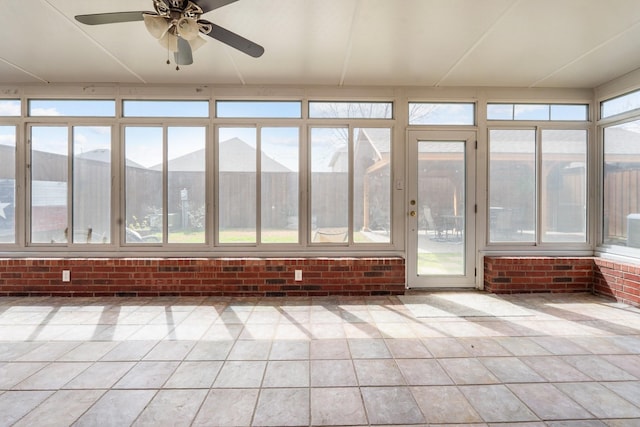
x=587, y=53
x=22, y=70
x=92, y=40
x=477, y=43
x=347, y=55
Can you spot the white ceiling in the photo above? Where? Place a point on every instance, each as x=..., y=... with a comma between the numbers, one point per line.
x=513, y=43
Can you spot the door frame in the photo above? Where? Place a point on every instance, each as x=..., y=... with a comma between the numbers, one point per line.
x=468, y=279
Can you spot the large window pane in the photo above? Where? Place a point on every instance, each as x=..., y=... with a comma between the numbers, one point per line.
x=441, y=113
x=91, y=184
x=544, y=112
x=372, y=185
x=564, y=181
x=7, y=184
x=280, y=162
x=237, y=211
x=531, y=112
x=10, y=107
x=620, y=104
x=135, y=108
x=621, y=190
x=350, y=110
x=255, y=109
x=512, y=185
x=72, y=107
x=144, y=165
x=49, y=184
x=578, y=112
x=329, y=185
x=186, y=218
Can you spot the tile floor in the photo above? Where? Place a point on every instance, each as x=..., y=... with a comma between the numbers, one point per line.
x=566, y=360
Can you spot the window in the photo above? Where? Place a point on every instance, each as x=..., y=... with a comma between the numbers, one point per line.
x=329, y=185
x=165, y=213
x=538, y=112
x=91, y=184
x=441, y=113
x=350, y=110
x=620, y=104
x=49, y=184
x=259, y=109
x=350, y=164
x=372, y=185
x=237, y=185
x=621, y=186
x=186, y=184
x=512, y=185
x=72, y=108
x=144, y=166
x=70, y=184
x=7, y=184
x=563, y=173
x=147, y=108
x=262, y=162
x=10, y=107
x=279, y=184
x=515, y=202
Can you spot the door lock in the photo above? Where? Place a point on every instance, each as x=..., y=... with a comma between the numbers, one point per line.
x=412, y=213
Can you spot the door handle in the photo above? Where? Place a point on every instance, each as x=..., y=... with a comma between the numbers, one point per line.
x=412, y=213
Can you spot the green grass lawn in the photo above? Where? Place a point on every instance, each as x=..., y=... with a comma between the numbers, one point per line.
x=440, y=263
x=246, y=236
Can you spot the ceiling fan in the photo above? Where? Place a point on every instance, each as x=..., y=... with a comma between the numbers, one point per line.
x=177, y=26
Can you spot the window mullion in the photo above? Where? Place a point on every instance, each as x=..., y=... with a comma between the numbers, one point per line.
x=351, y=180
x=538, y=188
x=70, y=154
x=258, y=184
x=165, y=184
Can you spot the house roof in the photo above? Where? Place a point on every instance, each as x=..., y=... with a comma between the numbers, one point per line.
x=235, y=155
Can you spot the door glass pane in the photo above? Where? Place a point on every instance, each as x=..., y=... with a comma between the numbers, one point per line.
x=280, y=162
x=186, y=155
x=7, y=183
x=564, y=185
x=92, y=184
x=237, y=185
x=372, y=185
x=512, y=185
x=441, y=208
x=329, y=185
x=143, y=162
x=49, y=184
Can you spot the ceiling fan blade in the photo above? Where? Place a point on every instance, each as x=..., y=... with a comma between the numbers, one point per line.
x=183, y=56
x=109, y=18
x=234, y=40
x=209, y=5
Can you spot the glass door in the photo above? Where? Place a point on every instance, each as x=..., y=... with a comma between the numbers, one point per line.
x=441, y=209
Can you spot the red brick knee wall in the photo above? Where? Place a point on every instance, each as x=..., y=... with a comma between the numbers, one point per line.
x=222, y=277
x=538, y=274
x=563, y=274
x=618, y=280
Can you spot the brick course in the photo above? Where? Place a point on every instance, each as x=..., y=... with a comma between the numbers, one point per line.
x=563, y=274
x=220, y=277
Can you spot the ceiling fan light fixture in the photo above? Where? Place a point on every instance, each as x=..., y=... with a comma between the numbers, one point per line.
x=156, y=25
x=197, y=43
x=187, y=28
x=169, y=41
